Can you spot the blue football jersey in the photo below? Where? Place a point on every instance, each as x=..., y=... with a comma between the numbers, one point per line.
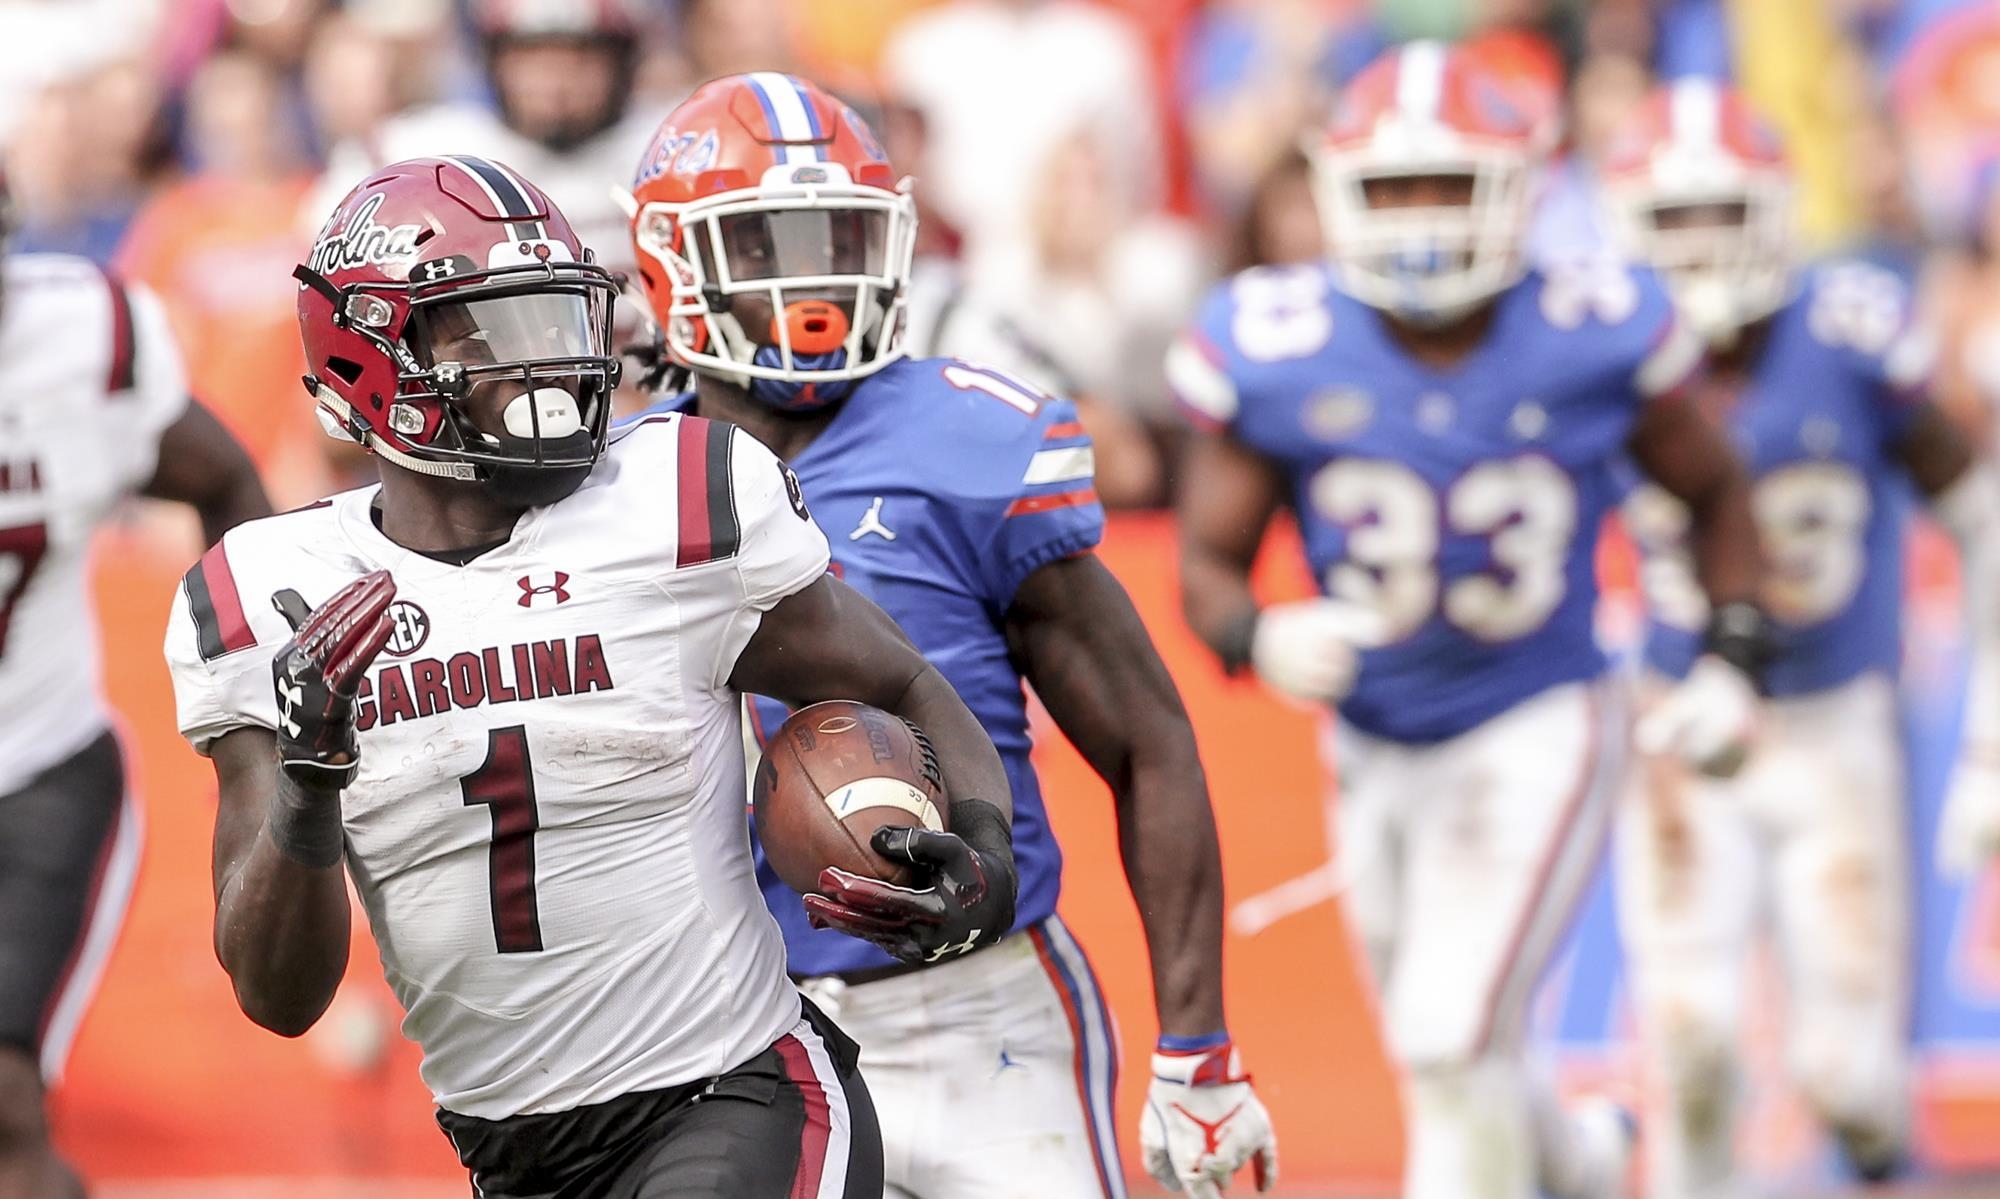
x=1462, y=504
x=942, y=485
x=1817, y=422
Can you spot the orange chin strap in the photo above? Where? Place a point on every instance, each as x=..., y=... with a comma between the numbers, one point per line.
x=814, y=326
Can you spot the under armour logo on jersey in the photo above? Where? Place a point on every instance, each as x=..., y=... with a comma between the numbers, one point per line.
x=532, y=591
x=871, y=522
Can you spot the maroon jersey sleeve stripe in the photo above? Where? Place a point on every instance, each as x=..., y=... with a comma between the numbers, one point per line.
x=216, y=606
x=692, y=477
x=709, y=530
x=122, y=373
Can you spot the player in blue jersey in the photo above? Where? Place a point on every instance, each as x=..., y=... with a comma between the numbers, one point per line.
x=1445, y=425
x=775, y=245
x=1819, y=375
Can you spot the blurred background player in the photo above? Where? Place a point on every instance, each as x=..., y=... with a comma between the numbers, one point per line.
x=93, y=408
x=1444, y=423
x=562, y=893
x=775, y=246
x=560, y=75
x=1820, y=376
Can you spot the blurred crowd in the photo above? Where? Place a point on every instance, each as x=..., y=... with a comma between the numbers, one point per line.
x=1085, y=168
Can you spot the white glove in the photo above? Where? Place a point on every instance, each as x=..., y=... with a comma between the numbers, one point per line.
x=1968, y=834
x=1708, y=720
x=1310, y=649
x=1203, y=1123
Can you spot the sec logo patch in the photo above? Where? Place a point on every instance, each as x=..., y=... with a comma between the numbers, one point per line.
x=409, y=628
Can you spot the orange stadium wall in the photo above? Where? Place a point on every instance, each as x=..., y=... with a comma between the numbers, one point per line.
x=168, y=1081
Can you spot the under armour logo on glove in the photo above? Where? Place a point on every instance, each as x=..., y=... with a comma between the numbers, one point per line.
x=970, y=943
x=532, y=591
x=317, y=673
x=966, y=904
x=291, y=697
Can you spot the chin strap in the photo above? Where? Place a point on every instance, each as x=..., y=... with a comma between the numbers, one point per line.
x=352, y=427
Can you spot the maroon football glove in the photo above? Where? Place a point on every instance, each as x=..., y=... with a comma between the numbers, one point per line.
x=317, y=672
x=968, y=905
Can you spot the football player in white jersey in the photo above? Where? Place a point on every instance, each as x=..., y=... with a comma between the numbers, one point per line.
x=502, y=688
x=93, y=408
x=561, y=76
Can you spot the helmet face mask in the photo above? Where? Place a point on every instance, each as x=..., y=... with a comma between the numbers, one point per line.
x=499, y=375
x=1429, y=242
x=1702, y=194
x=789, y=281
x=1425, y=183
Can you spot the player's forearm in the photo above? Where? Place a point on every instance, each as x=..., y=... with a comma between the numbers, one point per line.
x=1217, y=603
x=970, y=764
x=281, y=931
x=1723, y=537
x=281, y=923
x=1166, y=835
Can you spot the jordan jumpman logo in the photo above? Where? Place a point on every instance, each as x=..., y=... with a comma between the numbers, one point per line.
x=872, y=523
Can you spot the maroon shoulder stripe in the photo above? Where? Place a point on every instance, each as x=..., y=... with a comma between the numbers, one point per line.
x=708, y=526
x=122, y=373
x=216, y=607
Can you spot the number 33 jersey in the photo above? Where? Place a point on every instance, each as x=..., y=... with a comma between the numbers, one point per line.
x=1833, y=390
x=1462, y=504
x=547, y=826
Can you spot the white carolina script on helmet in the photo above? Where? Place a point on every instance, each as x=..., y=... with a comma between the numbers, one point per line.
x=364, y=242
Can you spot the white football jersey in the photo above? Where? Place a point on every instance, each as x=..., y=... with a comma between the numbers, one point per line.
x=548, y=826
x=578, y=180
x=89, y=380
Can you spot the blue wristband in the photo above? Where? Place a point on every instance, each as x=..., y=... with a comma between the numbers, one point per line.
x=1214, y=1040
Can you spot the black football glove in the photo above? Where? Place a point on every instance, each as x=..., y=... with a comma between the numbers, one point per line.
x=968, y=905
x=317, y=672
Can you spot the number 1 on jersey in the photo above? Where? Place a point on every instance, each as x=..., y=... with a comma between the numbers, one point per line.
x=505, y=784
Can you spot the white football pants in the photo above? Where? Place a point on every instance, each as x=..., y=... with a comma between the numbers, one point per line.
x=1464, y=862
x=992, y=1075
x=1813, y=826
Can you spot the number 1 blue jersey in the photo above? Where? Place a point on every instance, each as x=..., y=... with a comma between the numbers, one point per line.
x=1462, y=504
x=1818, y=421
x=942, y=486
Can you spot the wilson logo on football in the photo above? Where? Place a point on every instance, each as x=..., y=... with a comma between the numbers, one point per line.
x=409, y=628
x=557, y=589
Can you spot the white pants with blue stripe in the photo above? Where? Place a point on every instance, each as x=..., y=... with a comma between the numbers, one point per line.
x=1464, y=861
x=992, y=1075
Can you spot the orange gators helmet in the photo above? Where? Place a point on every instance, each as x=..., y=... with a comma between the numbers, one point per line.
x=1701, y=189
x=774, y=241
x=1427, y=114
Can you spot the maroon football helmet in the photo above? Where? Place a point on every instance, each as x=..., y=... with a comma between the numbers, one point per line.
x=441, y=285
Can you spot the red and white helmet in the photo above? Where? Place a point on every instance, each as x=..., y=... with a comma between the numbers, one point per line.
x=774, y=240
x=1702, y=191
x=435, y=278
x=1427, y=110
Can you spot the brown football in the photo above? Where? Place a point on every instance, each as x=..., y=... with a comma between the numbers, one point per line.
x=833, y=774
